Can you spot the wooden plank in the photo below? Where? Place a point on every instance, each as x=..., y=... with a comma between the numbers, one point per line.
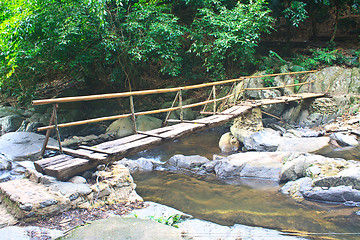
x=94, y=149
x=185, y=121
x=150, y=134
x=106, y=145
x=68, y=169
x=139, y=145
x=40, y=165
x=81, y=153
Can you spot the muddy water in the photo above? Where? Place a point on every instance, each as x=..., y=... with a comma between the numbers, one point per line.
x=249, y=202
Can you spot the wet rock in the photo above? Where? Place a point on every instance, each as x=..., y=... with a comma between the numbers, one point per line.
x=305, y=145
x=187, y=162
x=261, y=165
x=125, y=228
x=5, y=164
x=262, y=141
x=209, y=166
x=347, y=177
x=22, y=145
x=141, y=164
x=240, y=134
x=340, y=194
x=199, y=229
x=29, y=233
x=296, y=165
x=228, y=143
x=294, y=188
x=344, y=140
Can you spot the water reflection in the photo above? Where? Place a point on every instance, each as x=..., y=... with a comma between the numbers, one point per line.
x=249, y=202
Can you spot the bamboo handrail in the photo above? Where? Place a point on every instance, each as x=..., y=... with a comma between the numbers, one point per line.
x=154, y=91
x=70, y=124
x=291, y=85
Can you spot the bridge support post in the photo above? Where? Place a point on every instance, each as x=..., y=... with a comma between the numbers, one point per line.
x=214, y=99
x=180, y=105
x=133, y=113
x=53, y=119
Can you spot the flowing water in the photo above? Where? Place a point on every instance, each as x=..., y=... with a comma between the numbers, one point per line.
x=248, y=202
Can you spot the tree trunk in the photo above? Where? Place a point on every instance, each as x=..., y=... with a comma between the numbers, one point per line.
x=335, y=24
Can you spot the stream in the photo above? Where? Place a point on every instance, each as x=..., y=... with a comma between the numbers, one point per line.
x=248, y=201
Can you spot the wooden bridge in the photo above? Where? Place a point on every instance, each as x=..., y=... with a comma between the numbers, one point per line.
x=71, y=162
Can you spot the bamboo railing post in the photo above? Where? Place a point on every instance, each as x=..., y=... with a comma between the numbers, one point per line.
x=48, y=132
x=181, y=106
x=133, y=113
x=172, y=105
x=214, y=99
x=56, y=126
x=235, y=97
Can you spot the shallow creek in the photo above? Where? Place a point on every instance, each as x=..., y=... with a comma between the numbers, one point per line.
x=248, y=202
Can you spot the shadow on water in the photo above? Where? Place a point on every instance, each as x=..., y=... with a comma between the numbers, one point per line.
x=249, y=202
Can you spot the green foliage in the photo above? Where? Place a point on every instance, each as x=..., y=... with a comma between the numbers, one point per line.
x=222, y=37
x=173, y=220
x=296, y=13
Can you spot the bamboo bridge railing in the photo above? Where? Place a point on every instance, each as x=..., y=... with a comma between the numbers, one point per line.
x=53, y=124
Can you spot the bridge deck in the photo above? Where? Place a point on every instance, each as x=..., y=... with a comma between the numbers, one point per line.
x=72, y=162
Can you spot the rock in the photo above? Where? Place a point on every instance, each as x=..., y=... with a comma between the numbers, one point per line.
x=125, y=228
x=146, y=123
x=240, y=134
x=10, y=123
x=338, y=194
x=199, y=229
x=115, y=184
x=261, y=165
x=344, y=140
x=250, y=121
x=26, y=199
x=293, y=188
x=22, y=145
x=5, y=164
x=263, y=141
x=347, y=177
x=141, y=164
x=228, y=143
x=187, y=162
x=295, y=166
x=305, y=145
x=68, y=188
x=28, y=233
x=121, y=128
x=77, y=180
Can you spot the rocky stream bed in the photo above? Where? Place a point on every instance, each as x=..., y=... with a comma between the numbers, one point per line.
x=295, y=154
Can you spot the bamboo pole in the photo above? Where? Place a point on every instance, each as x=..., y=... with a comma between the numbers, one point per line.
x=276, y=87
x=129, y=114
x=181, y=105
x=172, y=105
x=47, y=136
x=154, y=91
x=214, y=99
x=133, y=113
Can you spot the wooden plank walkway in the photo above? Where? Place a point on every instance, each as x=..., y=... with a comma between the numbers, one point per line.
x=72, y=162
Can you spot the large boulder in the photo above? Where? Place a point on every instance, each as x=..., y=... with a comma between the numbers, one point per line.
x=263, y=165
x=188, y=162
x=10, y=123
x=335, y=80
x=263, y=141
x=23, y=145
x=121, y=128
x=344, y=139
x=146, y=123
x=228, y=143
x=305, y=145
